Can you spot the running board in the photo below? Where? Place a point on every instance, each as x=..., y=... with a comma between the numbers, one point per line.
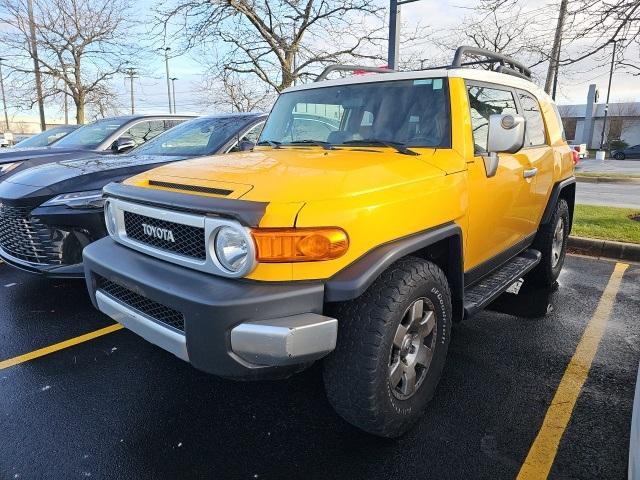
x=478, y=296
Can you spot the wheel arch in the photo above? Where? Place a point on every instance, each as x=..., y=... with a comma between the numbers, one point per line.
x=566, y=190
x=441, y=245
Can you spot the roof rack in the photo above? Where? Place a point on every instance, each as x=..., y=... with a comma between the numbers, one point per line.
x=506, y=65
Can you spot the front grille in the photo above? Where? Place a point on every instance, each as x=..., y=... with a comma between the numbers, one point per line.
x=156, y=311
x=191, y=188
x=187, y=240
x=28, y=239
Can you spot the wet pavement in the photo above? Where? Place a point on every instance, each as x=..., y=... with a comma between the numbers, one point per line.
x=116, y=407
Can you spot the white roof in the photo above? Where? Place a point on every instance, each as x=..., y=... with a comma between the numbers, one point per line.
x=466, y=73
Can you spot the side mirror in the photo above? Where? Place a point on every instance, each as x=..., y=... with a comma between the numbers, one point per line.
x=123, y=144
x=506, y=135
x=246, y=145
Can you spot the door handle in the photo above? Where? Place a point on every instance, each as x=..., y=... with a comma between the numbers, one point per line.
x=530, y=172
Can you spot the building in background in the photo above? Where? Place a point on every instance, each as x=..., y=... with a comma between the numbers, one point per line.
x=583, y=123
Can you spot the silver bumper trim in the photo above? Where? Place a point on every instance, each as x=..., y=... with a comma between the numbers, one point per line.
x=144, y=326
x=285, y=341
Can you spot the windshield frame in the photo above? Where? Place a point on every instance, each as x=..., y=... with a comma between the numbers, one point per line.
x=446, y=140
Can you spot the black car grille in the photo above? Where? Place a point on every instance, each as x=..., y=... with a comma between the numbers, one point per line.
x=187, y=240
x=156, y=311
x=28, y=239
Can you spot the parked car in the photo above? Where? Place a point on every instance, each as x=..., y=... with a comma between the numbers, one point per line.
x=48, y=137
x=50, y=212
x=108, y=136
x=581, y=149
x=437, y=191
x=629, y=152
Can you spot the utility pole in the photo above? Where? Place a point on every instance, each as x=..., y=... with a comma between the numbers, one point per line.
x=4, y=98
x=173, y=85
x=606, y=105
x=554, y=59
x=166, y=62
x=394, y=32
x=66, y=105
x=131, y=74
x=36, y=64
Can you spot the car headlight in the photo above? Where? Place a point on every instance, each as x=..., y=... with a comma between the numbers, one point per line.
x=110, y=218
x=232, y=249
x=7, y=167
x=90, y=199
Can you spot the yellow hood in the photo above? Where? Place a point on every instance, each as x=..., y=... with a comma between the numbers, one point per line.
x=292, y=174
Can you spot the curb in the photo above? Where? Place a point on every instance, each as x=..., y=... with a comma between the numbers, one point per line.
x=607, y=180
x=605, y=248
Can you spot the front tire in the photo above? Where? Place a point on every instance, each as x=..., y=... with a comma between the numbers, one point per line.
x=619, y=156
x=551, y=241
x=391, y=349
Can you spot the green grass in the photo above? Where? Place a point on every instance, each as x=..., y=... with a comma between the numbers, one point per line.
x=607, y=223
x=607, y=174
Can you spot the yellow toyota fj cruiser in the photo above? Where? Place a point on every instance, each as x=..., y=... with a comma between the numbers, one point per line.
x=375, y=211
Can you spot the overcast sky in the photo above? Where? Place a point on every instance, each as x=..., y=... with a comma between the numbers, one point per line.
x=151, y=93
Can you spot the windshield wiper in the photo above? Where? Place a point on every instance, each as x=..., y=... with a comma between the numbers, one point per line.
x=319, y=143
x=400, y=147
x=271, y=143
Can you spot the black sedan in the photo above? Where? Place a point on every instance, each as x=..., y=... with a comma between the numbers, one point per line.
x=49, y=213
x=107, y=136
x=629, y=152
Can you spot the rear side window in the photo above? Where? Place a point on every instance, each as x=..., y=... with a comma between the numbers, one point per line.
x=484, y=102
x=535, y=124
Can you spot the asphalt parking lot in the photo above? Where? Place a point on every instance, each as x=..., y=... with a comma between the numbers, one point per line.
x=117, y=407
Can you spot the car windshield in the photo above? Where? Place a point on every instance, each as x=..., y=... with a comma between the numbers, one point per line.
x=47, y=137
x=201, y=136
x=413, y=113
x=92, y=135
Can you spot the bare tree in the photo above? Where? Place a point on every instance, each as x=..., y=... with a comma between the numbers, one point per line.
x=230, y=92
x=279, y=42
x=623, y=117
x=82, y=44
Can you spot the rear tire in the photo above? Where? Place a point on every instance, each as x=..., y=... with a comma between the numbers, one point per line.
x=391, y=349
x=551, y=241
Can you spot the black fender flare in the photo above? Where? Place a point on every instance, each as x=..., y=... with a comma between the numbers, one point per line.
x=553, y=198
x=352, y=281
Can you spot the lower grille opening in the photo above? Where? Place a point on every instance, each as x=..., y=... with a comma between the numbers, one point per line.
x=158, y=312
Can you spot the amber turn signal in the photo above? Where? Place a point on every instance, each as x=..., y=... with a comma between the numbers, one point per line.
x=299, y=244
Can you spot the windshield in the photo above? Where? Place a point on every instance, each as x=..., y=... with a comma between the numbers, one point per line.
x=410, y=112
x=91, y=135
x=47, y=137
x=202, y=136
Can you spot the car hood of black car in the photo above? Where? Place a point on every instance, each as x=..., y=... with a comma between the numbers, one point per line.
x=93, y=173
x=10, y=155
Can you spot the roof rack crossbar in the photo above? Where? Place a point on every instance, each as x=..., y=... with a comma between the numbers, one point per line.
x=508, y=65
x=350, y=68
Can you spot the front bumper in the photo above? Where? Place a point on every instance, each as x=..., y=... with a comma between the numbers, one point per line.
x=227, y=327
x=59, y=239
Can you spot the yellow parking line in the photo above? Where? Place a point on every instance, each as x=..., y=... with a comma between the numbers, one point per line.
x=543, y=452
x=58, y=346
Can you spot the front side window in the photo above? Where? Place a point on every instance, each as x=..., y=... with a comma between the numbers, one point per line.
x=411, y=112
x=484, y=102
x=144, y=131
x=202, y=136
x=535, y=133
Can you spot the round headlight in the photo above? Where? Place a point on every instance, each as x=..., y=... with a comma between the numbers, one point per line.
x=232, y=249
x=110, y=218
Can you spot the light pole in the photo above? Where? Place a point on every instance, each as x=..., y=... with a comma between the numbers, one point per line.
x=166, y=62
x=606, y=106
x=394, y=32
x=131, y=74
x=173, y=85
x=4, y=99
